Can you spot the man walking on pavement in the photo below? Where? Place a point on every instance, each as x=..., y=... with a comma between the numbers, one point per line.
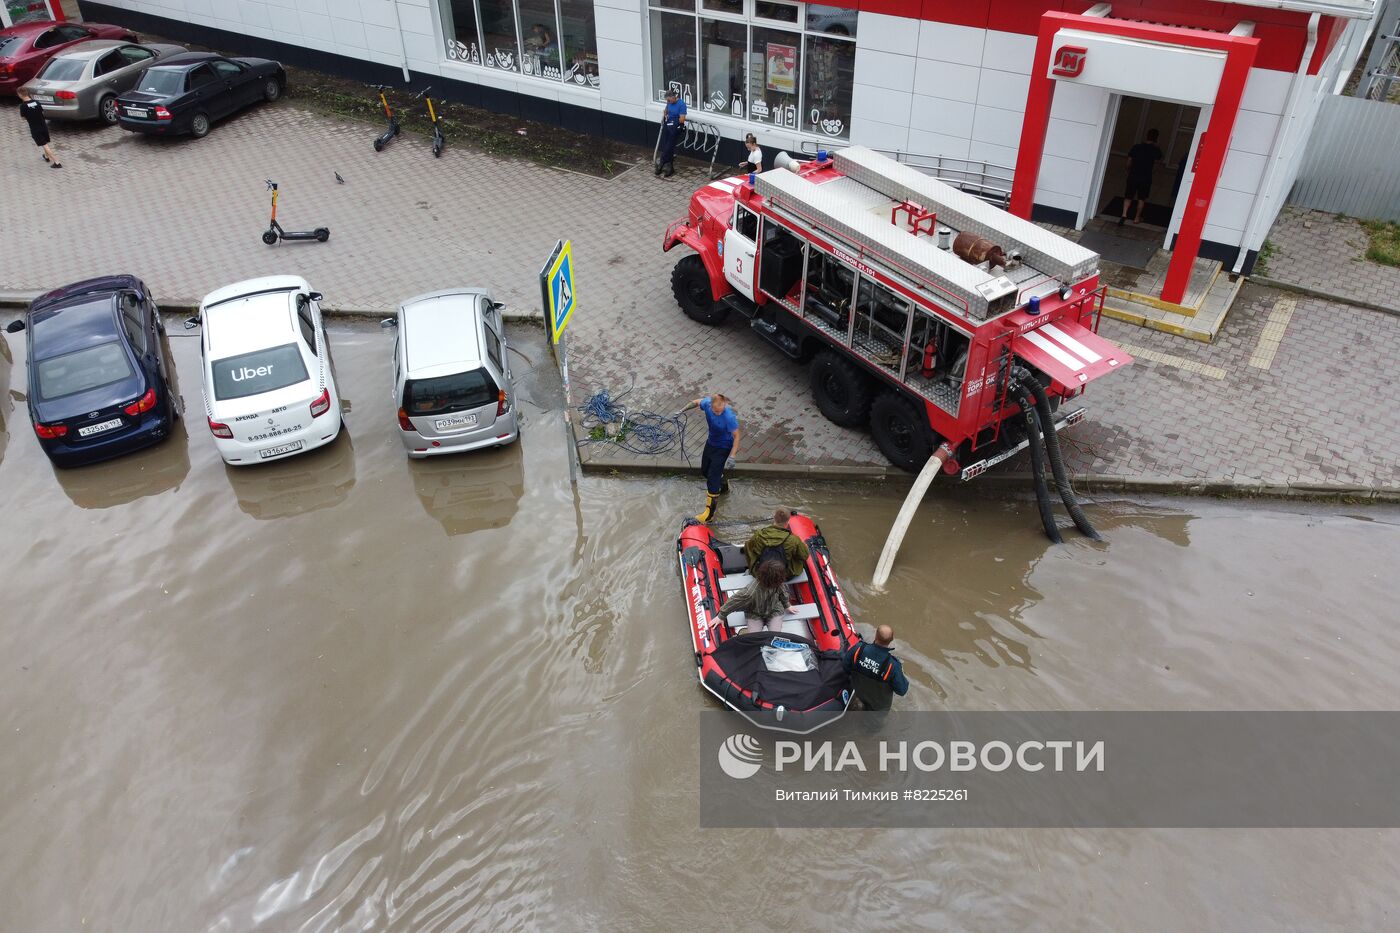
x=875, y=672
x=721, y=447
x=38, y=127
x=671, y=123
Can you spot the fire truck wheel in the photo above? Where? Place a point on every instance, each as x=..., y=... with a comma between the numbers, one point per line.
x=901, y=432
x=691, y=284
x=841, y=391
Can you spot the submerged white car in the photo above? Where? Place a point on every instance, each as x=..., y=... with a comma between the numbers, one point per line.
x=269, y=387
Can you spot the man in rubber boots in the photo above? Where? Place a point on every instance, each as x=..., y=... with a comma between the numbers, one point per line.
x=721, y=447
x=778, y=543
x=671, y=122
x=876, y=673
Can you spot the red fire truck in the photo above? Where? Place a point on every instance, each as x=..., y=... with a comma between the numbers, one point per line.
x=917, y=304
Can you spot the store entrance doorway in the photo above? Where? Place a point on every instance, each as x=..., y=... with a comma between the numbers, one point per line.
x=1177, y=131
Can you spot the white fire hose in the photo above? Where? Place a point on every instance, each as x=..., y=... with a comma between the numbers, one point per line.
x=906, y=512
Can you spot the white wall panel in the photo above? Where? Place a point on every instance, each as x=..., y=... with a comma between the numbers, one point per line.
x=896, y=34
x=988, y=152
x=1266, y=91
x=1066, y=176
x=876, y=135
x=1242, y=171
x=1081, y=103
x=884, y=69
x=616, y=56
x=1003, y=89
x=1254, y=131
x=944, y=117
x=994, y=125
x=891, y=106
x=947, y=80
x=1229, y=209
x=1072, y=140
x=935, y=144
x=1007, y=51
x=944, y=42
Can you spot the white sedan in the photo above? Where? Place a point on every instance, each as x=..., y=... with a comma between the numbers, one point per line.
x=269, y=387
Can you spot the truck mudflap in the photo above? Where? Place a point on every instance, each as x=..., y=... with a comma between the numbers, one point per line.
x=981, y=466
x=1070, y=354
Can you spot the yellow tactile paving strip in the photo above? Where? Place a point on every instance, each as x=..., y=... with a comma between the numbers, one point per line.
x=1180, y=362
x=1272, y=336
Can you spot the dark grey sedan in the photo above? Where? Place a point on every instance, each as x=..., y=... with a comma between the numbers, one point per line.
x=83, y=82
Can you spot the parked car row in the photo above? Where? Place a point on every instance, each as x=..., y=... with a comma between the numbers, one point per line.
x=99, y=375
x=88, y=71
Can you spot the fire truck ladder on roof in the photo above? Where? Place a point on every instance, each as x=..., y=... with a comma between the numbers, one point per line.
x=987, y=180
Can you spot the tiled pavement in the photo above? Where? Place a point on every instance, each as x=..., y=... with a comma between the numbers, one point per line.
x=1326, y=253
x=186, y=217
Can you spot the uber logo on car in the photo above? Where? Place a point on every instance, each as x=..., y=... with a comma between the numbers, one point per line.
x=244, y=373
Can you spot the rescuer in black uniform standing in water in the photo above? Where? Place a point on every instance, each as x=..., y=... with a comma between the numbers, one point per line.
x=876, y=673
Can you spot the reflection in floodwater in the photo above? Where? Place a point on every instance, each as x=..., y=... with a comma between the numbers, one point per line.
x=304, y=483
x=129, y=477
x=473, y=491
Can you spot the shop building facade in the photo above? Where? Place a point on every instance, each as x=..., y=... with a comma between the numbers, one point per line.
x=1054, y=91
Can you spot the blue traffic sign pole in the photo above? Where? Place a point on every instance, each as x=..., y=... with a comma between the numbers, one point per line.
x=557, y=298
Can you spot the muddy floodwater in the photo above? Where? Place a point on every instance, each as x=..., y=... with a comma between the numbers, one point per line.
x=346, y=691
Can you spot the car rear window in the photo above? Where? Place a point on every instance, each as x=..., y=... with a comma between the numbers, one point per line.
x=81, y=370
x=63, y=69
x=445, y=394
x=258, y=372
x=9, y=45
x=162, y=81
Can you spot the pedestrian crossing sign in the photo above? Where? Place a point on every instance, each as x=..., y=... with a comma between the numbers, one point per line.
x=559, y=289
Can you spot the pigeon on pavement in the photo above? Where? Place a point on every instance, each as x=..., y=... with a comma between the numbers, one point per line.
x=338, y=179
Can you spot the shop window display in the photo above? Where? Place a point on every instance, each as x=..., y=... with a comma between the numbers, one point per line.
x=734, y=58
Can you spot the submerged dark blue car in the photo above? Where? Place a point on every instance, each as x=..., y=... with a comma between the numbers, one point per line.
x=97, y=371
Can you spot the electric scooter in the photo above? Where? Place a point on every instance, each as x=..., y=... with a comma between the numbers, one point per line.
x=274, y=232
x=388, y=135
x=438, y=139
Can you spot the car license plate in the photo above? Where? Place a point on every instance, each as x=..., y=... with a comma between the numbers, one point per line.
x=43, y=98
x=279, y=450
x=460, y=421
x=92, y=429
x=137, y=112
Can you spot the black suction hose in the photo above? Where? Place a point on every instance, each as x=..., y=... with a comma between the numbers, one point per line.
x=1042, y=493
x=1052, y=450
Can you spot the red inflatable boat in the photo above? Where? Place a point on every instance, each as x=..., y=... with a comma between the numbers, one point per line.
x=790, y=680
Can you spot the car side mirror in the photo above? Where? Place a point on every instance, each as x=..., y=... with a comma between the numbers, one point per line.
x=498, y=306
x=316, y=296
x=15, y=326
x=389, y=322
x=191, y=322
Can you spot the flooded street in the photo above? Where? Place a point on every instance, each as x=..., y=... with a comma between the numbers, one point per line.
x=346, y=691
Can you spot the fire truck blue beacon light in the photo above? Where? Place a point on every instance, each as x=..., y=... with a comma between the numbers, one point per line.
x=1034, y=309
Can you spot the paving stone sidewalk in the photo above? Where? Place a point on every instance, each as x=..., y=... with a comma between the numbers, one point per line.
x=1292, y=392
x=1327, y=254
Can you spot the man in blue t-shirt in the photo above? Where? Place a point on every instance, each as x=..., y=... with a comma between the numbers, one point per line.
x=671, y=123
x=721, y=447
x=876, y=673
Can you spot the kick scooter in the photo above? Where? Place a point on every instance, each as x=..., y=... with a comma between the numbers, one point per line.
x=274, y=232
x=438, y=139
x=388, y=135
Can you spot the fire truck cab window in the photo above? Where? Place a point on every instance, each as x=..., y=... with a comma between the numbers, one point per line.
x=745, y=222
x=780, y=269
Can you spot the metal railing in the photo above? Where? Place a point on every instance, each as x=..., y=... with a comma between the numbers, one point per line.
x=986, y=180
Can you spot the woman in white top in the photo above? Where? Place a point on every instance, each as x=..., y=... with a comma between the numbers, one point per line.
x=753, y=161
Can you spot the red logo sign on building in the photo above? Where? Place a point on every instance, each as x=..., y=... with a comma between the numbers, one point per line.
x=1069, y=61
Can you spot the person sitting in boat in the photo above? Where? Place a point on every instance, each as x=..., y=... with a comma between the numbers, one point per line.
x=776, y=542
x=875, y=672
x=763, y=601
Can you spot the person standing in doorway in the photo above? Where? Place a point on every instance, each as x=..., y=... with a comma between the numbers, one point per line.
x=33, y=114
x=1142, y=158
x=721, y=447
x=671, y=123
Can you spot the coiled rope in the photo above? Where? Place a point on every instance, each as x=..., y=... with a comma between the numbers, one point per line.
x=608, y=421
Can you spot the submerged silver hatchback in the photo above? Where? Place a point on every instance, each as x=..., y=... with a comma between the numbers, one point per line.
x=452, y=373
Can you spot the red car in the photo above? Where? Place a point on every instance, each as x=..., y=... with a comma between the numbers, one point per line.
x=25, y=48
